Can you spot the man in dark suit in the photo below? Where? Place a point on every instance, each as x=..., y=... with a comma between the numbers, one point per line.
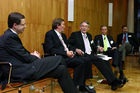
x=56, y=44
x=125, y=41
x=81, y=42
x=29, y=66
x=107, y=46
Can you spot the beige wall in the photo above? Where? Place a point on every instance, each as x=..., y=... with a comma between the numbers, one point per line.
x=40, y=13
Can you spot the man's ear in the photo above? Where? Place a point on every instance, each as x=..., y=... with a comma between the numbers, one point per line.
x=14, y=25
x=58, y=25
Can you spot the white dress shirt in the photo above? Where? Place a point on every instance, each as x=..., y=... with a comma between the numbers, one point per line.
x=108, y=44
x=86, y=43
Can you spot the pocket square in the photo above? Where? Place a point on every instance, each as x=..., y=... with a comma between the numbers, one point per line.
x=129, y=35
x=111, y=42
x=91, y=41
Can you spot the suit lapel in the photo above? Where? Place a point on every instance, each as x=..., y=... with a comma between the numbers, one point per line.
x=109, y=39
x=89, y=39
x=65, y=39
x=17, y=39
x=81, y=39
x=101, y=40
x=58, y=40
x=56, y=37
x=15, y=35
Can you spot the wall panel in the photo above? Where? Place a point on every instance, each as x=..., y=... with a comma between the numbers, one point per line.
x=96, y=12
x=39, y=16
x=40, y=13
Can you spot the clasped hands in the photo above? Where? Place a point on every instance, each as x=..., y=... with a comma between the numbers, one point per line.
x=35, y=53
x=71, y=53
x=101, y=49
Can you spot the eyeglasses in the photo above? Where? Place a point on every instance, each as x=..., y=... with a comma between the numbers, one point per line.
x=85, y=26
x=22, y=24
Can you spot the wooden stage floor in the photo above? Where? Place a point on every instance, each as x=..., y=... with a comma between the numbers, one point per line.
x=132, y=72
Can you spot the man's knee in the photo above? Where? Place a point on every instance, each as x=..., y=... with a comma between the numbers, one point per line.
x=62, y=61
x=61, y=68
x=63, y=72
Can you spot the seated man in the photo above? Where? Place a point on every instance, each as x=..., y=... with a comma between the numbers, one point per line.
x=107, y=46
x=125, y=41
x=81, y=42
x=56, y=44
x=29, y=66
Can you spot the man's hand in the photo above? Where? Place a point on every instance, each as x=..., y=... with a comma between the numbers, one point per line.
x=100, y=49
x=70, y=54
x=120, y=45
x=114, y=48
x=80, y=52
x=37, y=54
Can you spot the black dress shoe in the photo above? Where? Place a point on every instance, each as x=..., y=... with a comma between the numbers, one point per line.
x=123, y=78
x=117, y=84
x=87, y=89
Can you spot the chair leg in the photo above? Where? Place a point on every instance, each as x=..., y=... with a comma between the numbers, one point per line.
x=51, y=85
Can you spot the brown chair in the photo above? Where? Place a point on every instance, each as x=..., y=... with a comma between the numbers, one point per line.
x=5, y=73
x=5, y=79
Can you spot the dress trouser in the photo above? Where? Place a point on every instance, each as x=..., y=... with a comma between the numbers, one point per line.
x=64, y=79
x=103, y=66
x=116, y=56
x=79, y=70
x=126, y=47
x=60, y=72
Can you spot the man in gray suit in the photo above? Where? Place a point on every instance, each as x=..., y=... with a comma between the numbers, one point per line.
x=125, y=41
x=29, y=66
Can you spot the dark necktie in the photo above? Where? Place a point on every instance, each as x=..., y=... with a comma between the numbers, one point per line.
x=124, y=39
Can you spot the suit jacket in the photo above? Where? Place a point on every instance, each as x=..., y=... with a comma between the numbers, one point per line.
x=54, y=45
x=99, y=40
x=131, y=39
x=76, y=41
x=25, y=66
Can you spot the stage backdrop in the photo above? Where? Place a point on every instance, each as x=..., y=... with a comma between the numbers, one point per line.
x=40, y=13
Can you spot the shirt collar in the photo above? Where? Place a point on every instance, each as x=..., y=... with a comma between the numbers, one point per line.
x=83, y=34
x=13, y=31
x=104, y=35
x=59, y=34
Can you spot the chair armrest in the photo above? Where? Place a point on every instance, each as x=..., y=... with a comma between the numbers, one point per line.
x=7, y=75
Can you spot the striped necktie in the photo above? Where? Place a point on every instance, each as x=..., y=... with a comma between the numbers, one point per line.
x=63, y=43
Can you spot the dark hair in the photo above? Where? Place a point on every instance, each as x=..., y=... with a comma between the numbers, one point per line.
x=124, y=26
x=85, y=21
x=14, y=17
x=57, y=21
x=103, y=26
